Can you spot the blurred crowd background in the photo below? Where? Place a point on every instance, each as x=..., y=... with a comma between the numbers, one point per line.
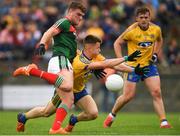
x=23, y=22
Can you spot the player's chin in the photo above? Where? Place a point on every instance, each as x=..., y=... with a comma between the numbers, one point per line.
x=144, y=25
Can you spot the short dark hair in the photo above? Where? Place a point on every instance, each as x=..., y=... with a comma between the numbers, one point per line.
x=89, y=39
x=77, y=5
x=142, y=10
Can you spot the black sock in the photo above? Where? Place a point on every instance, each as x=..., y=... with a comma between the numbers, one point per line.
x=163, y=120
x=113, y=114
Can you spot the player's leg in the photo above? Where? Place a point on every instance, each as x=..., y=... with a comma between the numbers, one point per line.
x=153, y=83
x=38, y=112
x=66, y=95
x=89, y=107
x=41, y=111
x=90, y=112
x=32, y=70
x=128, y=94
x=44, y=111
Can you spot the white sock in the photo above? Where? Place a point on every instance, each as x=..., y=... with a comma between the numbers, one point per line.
x=163, y=123
x=110, y=114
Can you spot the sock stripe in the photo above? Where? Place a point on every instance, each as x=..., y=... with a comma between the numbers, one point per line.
x=62, y=62
x=59, y=81
x=64, y=106
x=41, y=74
x=67, y=64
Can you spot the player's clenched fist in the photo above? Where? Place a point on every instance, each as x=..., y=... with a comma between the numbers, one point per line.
x=40, y=50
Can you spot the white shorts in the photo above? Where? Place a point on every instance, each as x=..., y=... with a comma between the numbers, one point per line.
x=58, y=63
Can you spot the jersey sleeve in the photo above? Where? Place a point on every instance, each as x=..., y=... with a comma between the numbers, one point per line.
x=159, y=33
x=127, y=35
x=62, y=24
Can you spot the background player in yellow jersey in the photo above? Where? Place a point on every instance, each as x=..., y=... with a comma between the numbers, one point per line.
x=146, y=37
x=83, y=66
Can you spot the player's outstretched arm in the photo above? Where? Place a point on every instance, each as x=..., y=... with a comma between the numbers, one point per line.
x=123, y=68
x=109, y=63
x=138, y=70
x=45, y=40
x=106, y=63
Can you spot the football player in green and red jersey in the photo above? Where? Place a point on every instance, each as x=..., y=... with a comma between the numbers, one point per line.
x=63, y=33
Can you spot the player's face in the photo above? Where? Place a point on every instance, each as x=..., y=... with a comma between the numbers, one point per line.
x=96, y=49
x=76, y=16
x=143, y=20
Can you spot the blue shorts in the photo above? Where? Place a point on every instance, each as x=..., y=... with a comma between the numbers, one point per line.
x=79, y=95
x=153, y=71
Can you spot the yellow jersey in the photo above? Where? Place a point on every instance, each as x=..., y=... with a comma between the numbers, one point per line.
x=81, y=73
x=137, y=39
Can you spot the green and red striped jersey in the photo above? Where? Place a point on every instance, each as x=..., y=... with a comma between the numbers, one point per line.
x=65, y=41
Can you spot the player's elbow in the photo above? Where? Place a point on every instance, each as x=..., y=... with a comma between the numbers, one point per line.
x=116, y=44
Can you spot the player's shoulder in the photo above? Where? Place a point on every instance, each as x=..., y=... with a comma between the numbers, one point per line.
x=62, y=20
x=81, y=59
x=64, y=23
x=131, y=28
x=154, y=26
x=99, y=57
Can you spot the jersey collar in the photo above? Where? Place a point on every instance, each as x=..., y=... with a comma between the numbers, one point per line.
x=85, y=56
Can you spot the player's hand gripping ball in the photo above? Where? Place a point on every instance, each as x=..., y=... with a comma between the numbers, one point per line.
x=114, y=83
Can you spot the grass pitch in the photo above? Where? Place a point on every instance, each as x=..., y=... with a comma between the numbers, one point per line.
x=125, y=124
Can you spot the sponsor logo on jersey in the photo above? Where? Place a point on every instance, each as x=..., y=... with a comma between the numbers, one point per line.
x=145, y=44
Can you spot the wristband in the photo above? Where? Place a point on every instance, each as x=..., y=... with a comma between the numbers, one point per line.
x=126, y=58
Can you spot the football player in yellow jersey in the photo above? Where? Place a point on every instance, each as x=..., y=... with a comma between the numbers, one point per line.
x=146, y=37
x=83, y=66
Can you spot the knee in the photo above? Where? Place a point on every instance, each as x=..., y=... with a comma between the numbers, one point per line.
x=93, y=115
x=156, y=93
x=66, y=87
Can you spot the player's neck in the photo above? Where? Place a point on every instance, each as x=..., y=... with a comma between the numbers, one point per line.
x=87, y=55
x=144, y=28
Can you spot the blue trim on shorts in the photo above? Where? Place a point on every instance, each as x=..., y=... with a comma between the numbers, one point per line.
x=79, y=95
x=153, y=71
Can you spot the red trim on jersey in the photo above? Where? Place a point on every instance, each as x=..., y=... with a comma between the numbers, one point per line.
x=72, y=29
x=67, y=18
